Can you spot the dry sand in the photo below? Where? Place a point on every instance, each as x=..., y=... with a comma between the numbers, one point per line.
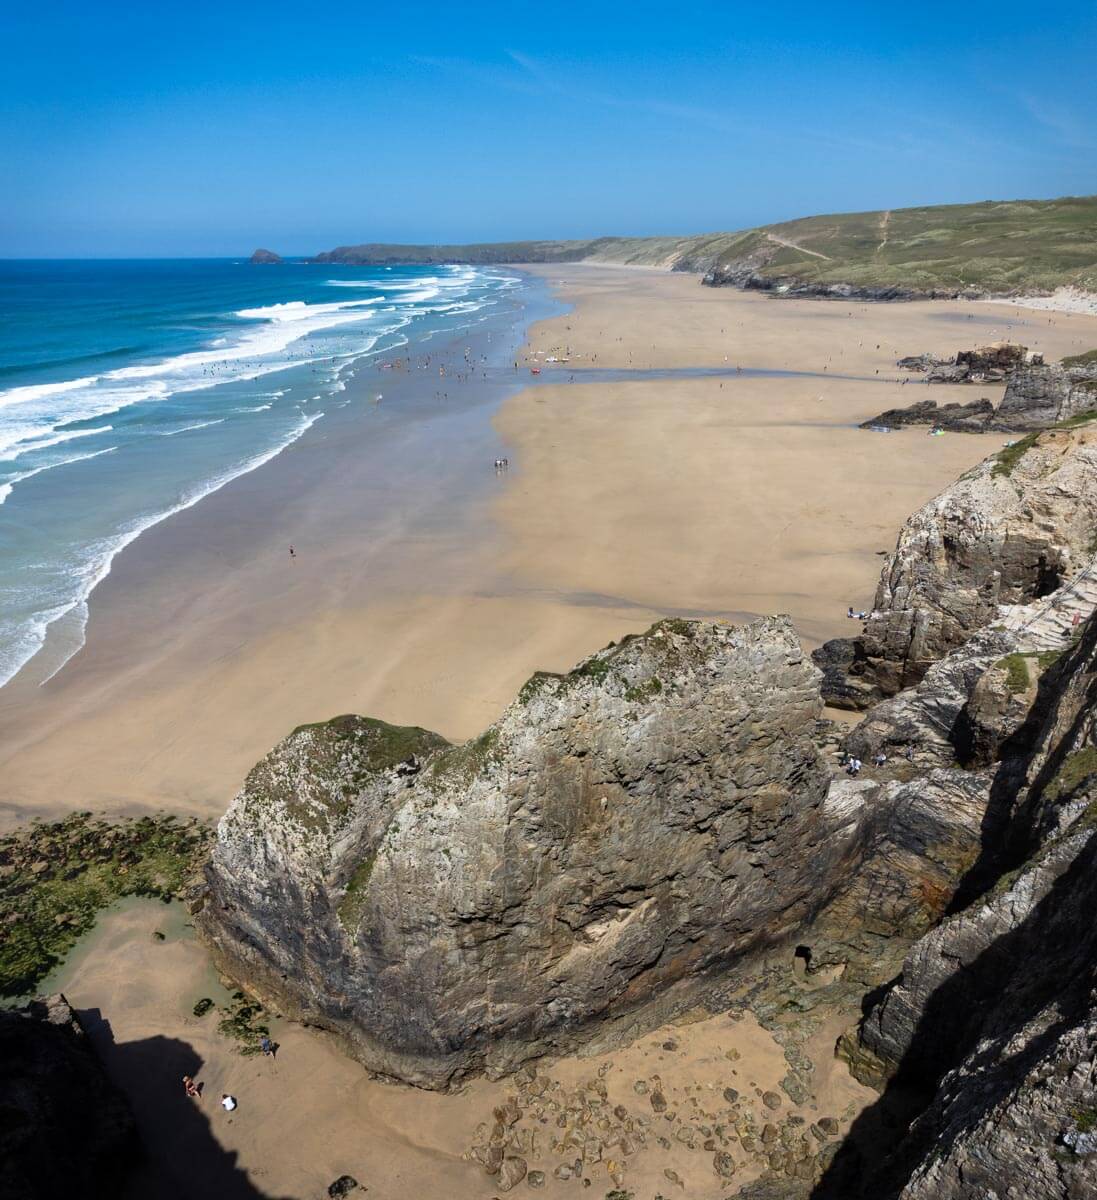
x=427, y=595
x=312, y=1115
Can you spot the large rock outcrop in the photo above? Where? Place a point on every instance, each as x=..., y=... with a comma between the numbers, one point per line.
x=619, y=829
x=1010, y=531
x=64, y=1128
x=620, y=838
x=1038, y=396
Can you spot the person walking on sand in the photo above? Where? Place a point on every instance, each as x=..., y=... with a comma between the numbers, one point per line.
x=292, y=552
x=191, y=1088
x=228, y=1103
x=266, y=1046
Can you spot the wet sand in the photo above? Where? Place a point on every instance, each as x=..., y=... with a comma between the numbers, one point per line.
x=427, y=588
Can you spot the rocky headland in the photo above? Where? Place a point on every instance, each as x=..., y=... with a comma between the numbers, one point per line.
x=1016, y=528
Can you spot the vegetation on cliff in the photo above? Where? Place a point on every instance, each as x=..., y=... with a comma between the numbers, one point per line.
x=993, y=246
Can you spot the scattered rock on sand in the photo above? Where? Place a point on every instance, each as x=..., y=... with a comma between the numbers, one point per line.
x=512, y=1172
x=343, y=1186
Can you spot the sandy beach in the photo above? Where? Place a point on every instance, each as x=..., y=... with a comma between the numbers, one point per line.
x=311, y=1115
x=427, y=588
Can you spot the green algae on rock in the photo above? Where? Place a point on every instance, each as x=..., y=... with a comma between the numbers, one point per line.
x=56, y=877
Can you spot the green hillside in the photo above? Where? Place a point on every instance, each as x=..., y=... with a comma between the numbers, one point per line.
x=996, y=246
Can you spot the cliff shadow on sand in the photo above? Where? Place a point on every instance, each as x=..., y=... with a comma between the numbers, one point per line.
x=181, y=1158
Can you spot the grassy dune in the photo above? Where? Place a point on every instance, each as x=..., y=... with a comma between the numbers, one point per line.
x=996, y=246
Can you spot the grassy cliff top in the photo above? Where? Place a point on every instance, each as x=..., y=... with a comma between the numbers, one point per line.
x=998, y=246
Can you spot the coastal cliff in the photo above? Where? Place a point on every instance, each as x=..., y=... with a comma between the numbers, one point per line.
x=993, y=248
x=991, y=1026
x=619, y=829
x=623, y=833
x=1012, y=530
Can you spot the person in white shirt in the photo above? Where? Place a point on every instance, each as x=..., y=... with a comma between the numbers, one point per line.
x=228, y=1103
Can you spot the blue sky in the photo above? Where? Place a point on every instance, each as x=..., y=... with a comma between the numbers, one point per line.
x=208, y=129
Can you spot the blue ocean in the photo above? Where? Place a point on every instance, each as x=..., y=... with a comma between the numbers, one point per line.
x=132, y=389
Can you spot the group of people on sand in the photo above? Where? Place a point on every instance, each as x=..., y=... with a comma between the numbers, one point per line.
x=193, y=1089
x=502, y=464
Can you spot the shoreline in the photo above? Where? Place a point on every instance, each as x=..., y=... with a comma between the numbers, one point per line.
x=428, y=588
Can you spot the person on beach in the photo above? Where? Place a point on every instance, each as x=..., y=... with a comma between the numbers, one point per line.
x=228, y=1103
x=267, y=1047
x=292, y=552
x=191, y=1088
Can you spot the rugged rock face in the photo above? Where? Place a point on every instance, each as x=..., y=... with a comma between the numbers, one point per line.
x=268, y=257
x=1038, y=396
x=956, y=418
x=994, y=1018
x=1008, y=532
x=64, y=1128
x=621, y=828
x=622, y=834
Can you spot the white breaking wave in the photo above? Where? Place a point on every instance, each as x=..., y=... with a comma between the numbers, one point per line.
x=34, y=418
x=13, y=447
x=188, y=428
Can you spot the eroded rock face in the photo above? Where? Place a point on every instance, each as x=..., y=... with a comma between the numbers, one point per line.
x=1038, y=396
x=956, y=418
x=994, y=1016
x=64, y=1128
x=619, y=829
x=1008, y=532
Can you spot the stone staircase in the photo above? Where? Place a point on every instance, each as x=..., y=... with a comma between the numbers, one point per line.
x=1049, y=624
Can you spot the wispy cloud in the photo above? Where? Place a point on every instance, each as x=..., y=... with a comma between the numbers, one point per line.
x=536, y=78
x=1064, y=123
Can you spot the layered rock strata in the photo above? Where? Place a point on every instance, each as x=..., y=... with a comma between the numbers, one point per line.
x=994, y=1017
